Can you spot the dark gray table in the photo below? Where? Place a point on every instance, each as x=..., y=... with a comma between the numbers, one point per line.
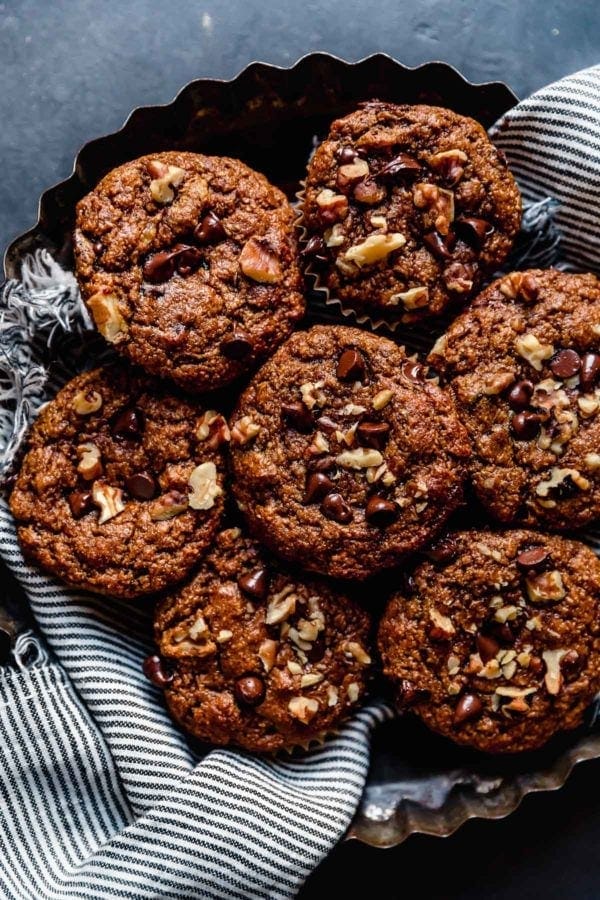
x=73, y=69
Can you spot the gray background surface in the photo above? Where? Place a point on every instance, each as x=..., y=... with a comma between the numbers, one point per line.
x=73, y=69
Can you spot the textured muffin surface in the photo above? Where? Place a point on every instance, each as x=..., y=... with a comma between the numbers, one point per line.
x=187, y=264
x=497, y=645
x=408, y=208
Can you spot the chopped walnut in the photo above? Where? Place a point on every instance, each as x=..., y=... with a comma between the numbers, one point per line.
x=506, y=614
x=547, y=587
x=533, y=351
x=259, y=262
x=90, y=465
x=310, y=679
x=557, y=477
x=518, y=284
x=334, y=237
x=553, y=677
x=360, y=458
x=281, y=605
x=374, y=248
x=453, y=664
x=414, y=298
x=87, y=402
x=332, y=207
x=588, y=404
x=204, y=486
x=107, y=316
x=382, y=398
x=244, y=430
x=108, y=499
x=449, y=164
x=303, y=708
x=443, y=627
x=353, y=692
x=497, y=382
x=319, y=445
x=294, y=667
x=213, y=428
x=168, y=505
x=267, y=653
x=592, y=461
x=164, y=179
x=353, y=648
x=349, y=174
x=332, y=695
x=438, y=203
x=224, y=636
x=312, y=395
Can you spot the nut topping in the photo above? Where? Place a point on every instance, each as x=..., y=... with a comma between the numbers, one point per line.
x=359, y=654
x=374, y=248
x=442, y=626
x=87, y=402
x=213, y=428
x=449, y=164
x=204, y=486
x=268, y=654
x=89, y=466
x=414, y=298
x=312, y=395
x=559, y=481
x=107, y=316
x=458, y=277
x=519, y=285
x=350, y=173
x=281, y=606
x=332, y=207
x=164, y=179
x=553, y=678
x=244, y=430
x=108, y=499
x=168, y=505
x=303, y=708
x=533, y=351
x=381, y=399
x=438, y=203
x=547, y=587
x=359, y=458
x=259, y=262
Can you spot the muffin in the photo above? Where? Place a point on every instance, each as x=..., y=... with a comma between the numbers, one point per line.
x=120, y=491
x=187, y=264
x=255, y=655
x=407, y=208
x=524, y=365
x=497, y=643
x=344, y=456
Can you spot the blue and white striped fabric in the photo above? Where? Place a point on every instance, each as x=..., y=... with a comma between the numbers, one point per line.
x=101, y=795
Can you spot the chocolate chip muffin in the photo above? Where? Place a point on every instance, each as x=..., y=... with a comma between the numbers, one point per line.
x=344, y=456
x=254, y=655
x=187, y=264
x=121, y=488
x=497, y=644
x=524, y=364
x=407, y=208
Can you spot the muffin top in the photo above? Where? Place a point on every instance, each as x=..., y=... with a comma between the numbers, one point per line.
x=524, y=365
x=496, y=644
x=187, y=264
x=255, y=655
x=121, y=488
x=407, y=208
x=344, y=455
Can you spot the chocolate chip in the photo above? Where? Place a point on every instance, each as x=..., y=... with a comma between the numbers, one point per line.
x=533, y=559
x=335, y=507
x=156, y=671
x=187, y=259
x=345, y=155
x=318, y=485
x=128, y=424
x=80, y=503
x=409, y=694
x=566, y=489
x=525, y=426
x=317, y=649
x=565, y=363
x=520, y=395
x=381, y=512
x=236, y=345
x=487, y=647
x=401, y=166
x=322, y=463
x=502, y=631
x=159, y=267
x=474, y=231
x=369, y=192
x=443, y=551
x=351, y=366
x=373, y=434
x=141, y=486
x=316, y=251
x=249, y=690
x=439, y=246
x=210, y=230
x=468, y=707
x=590, y=370
x=413, y=370
x=98, y=248
x=298, y=415
x=255, y=583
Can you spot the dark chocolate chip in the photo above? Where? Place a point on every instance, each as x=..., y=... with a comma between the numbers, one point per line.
x=156, y=671
x=525, y=426
x=142, y=486
x=443, y=551
x=408, y=694
x=236, y=345
x=474, y=231
x=98, y=248
x=533, y=559
x=373, y=434
x=401, y=166
x=590, y=371
x=439, y=246
x=249, y=690
x=159, y=267
x=316, y=251
x=520, y=395
x=322, y=463
x=80, y=503
x=413, y=370
x=565, y=363
x=566, y=489
x=468, y=707
x=128, y=424
x=345, y=155
x=502, y=631
x=381, y=512
x=187, y=259
x=487, y=647
x=326, y=424
x=255, y=583
x=351, y=366
x=335, y=507
x=298, y=415
x=318, y=485
x=317, y=649
x=210, y=230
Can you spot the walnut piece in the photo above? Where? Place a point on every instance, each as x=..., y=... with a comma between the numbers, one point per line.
x=382, y=398
x=107, y=316
x=87, y=402
x=353, y=692
x=168, y=505
x=443, y=627
x=164, y=179
x=334, y=237
x=310, y=679
x=281, y=606
x=547, y=587
x=259, y=262
x=358, y=652
x=312, y=395
x=533, y=351
x=438, y=204
x=89, y=466
x=360, y=458
x=374, y=248
x=553, y=677
x=518, y=284
x=557, y=476
x=449, y=164
x=303, y=708
x=267, y=653
x=349, y=174
x=204, y=486
x=213, y=428
x=332, y=207
x=108, y=499
x=414, y=298
x=244, y=430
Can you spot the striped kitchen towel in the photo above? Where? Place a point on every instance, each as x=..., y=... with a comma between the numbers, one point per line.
x=102, y=796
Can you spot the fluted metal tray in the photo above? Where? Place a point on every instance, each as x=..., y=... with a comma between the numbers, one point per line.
x=270, y=117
